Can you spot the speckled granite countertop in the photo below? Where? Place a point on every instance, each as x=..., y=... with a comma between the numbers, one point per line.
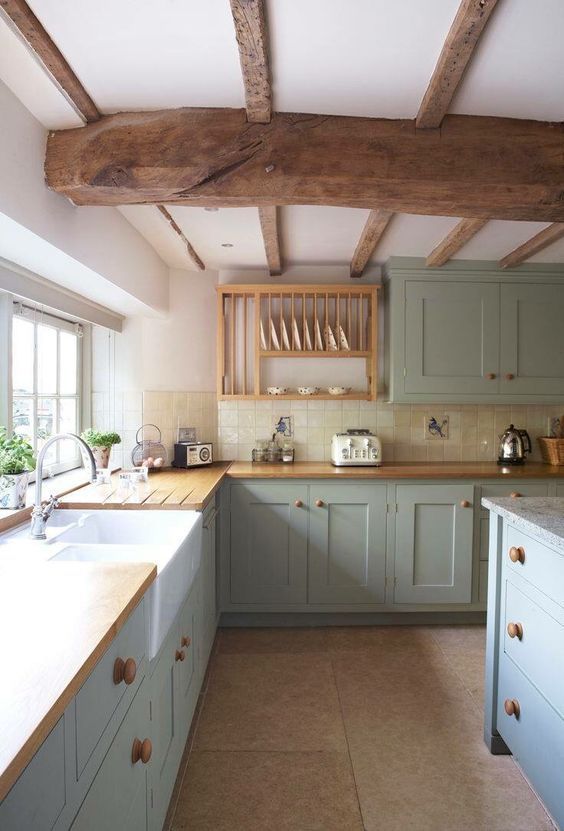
x=541, y=516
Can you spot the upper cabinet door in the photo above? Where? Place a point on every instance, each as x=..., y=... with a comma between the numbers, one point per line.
x=347, y=543
x=532, y=339
x=451, y=338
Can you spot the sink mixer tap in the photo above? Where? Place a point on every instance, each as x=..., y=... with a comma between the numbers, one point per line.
x=41, y=513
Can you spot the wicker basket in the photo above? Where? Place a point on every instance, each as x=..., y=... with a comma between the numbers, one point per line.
x=552, y=450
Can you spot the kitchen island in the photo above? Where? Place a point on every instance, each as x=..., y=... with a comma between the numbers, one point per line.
x=524, y=705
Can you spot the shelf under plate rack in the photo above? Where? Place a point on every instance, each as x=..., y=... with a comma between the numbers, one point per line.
x=257, y=323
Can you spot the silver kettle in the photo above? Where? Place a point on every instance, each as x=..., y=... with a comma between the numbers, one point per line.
x=513, y=444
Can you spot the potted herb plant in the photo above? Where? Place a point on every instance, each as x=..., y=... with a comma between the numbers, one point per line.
x=101, y=445
x=16, y=461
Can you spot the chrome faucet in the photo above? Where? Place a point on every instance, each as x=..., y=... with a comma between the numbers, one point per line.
x=41, y=513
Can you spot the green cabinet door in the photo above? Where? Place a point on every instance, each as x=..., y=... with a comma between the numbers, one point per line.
x=451, y=338
x=347, y=543
x=532, y=339
x=187, y=667
x=118, y=796
x=268, y=542
x=433, y=554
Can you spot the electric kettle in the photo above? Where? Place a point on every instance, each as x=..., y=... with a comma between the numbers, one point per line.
x=513, y=444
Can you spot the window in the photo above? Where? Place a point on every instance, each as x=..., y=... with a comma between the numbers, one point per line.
x=46, y=382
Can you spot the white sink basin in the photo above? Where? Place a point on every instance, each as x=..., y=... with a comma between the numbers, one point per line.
x=172, y=540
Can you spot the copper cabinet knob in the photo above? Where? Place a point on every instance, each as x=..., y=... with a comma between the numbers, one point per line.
x=515, y=495
x=490, y=376
x=515, y=630
x=320, y=503
x=298, y=503
x=179, y=655
x=185, y=640
x=517, y=555
x=512, y=707
x=124, y=671
x=509, y=376
x=141, y=751
x=464, y=503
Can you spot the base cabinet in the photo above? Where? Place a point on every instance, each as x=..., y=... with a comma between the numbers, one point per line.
x=347, y=544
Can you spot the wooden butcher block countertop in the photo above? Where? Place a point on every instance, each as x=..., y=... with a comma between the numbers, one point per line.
x=56, y=620
x=399, y=470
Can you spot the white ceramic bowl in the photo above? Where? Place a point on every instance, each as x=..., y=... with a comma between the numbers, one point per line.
x=277, y=390
x=308, y=390
x=338, y=390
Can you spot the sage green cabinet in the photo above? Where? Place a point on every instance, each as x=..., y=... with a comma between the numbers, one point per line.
x=209, y=588
x=434, y=544
x=347, y=543
x=269, y=526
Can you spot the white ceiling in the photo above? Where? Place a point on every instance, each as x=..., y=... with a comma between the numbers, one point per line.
x=367, y=57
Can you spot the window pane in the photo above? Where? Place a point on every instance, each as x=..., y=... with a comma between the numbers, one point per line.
x=46, y=359
x=22, y=356
x=22, y=418
x=67, y=424
x=47, y=426
x=68, y=360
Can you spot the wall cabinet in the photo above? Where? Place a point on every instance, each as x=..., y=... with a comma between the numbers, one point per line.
x=474, y=333
x=347, y=543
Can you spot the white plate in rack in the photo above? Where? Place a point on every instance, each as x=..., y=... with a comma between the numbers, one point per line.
x=296, y=332
x=284, y=334
x=343, y=340
x=263, y=344
x=308, y=344
x=318, y=340
x=274, y=336
x=330, y=342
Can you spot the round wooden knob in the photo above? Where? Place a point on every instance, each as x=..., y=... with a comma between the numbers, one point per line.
x=464, y=503
x=511, y=707
x=517, y=555
x=320, y=503
x=298, y=503
x=515, y=494
x=185, y=640
x=509, y=376
x=180, y=655
x=490, y=376
x=515, y=630
x=125, y=671
x=141, y=751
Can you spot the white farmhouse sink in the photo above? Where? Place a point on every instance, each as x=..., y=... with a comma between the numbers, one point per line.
x=172, y=540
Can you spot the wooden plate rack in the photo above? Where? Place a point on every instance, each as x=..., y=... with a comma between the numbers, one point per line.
x=257, y=323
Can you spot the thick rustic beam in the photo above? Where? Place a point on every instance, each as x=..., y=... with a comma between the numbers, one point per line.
x=372, y=232
x=252, y=37
x=537, y=243
x=462, y=39
x=26, y=24
x=269, y=226
x=178, y=230
x=454, y=241
x=496, y=168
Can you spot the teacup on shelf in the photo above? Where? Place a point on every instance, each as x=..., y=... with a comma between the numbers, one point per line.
x=277, y=390
x=308, y=390
x=338, y=390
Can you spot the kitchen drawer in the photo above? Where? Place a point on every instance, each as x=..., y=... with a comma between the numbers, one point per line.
x=38, y=797
x=536, y=737
x=495, y=491
x=541, y=566
x=538, y=654
x=100, y=695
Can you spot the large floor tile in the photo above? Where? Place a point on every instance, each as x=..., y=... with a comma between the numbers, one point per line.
x=271, y=702
x=465, y=650
x=272, y=640
x=268, y=792
x=404, y=639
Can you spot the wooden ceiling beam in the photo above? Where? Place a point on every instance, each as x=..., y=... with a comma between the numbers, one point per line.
x=481, y=167
x=454, y=241
x=537, y=243
x=178, y=230
x=372, y=233
x=461, y=41
x=21, y=18
x=252, y=38
x=269, y=225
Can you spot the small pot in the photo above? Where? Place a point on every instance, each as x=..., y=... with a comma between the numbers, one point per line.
x=13, y=490
x=101, y=456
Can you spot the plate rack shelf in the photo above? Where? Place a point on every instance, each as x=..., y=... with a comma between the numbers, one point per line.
x=257, y=323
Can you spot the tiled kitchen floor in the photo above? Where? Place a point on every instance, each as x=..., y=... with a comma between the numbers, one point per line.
x=375, y=728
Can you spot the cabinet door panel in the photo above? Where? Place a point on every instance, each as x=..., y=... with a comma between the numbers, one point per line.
x=347, y=544
x=433, y=560
x=451, y=337
x=268, y=543
x=532, y=339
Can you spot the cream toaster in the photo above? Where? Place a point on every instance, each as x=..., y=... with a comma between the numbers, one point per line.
x=356, y=447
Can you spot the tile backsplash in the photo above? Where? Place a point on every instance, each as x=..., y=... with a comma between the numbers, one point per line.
x=170, y=410
x=472, y=430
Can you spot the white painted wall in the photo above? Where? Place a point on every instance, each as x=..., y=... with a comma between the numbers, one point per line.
x=97, y=251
